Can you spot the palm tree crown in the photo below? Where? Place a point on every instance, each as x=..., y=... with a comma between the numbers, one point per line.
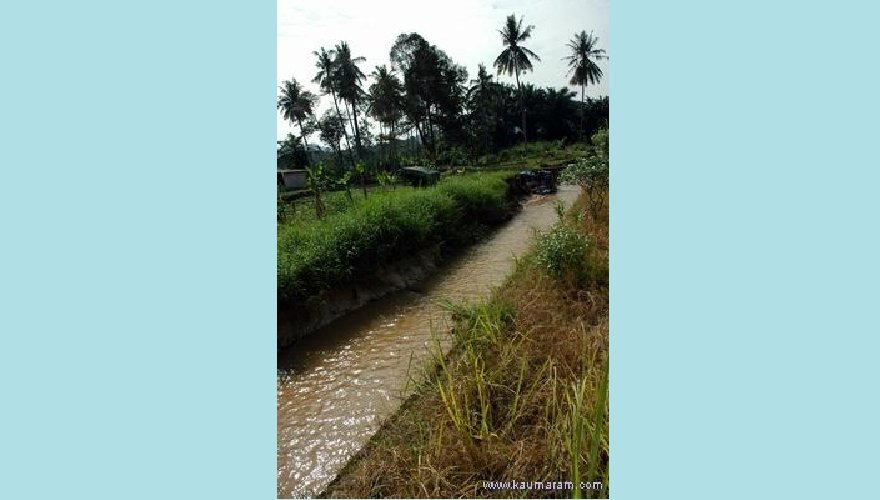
x=325, y=66
x=515, y=58
x=348, y=79
x=295, y=103
x=582, y=60
x=386, y=95
x=347, y=74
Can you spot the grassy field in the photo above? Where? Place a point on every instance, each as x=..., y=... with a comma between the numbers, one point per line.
x=357, y=236
x=522, y=396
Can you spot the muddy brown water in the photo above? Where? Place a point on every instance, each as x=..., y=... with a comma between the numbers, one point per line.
x=336, y=386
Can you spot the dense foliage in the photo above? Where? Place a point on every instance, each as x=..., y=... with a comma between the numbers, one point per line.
x=591, y=172
x=381, y=228
x=426, y=106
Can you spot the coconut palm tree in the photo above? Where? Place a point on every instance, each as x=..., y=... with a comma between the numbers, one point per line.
x=325, y=78
x=514, y=59
x=296, y=105
x=348, y=77
x=582, y=64
x=386, y=100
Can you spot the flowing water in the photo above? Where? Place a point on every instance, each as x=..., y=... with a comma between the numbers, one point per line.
x=336, y=386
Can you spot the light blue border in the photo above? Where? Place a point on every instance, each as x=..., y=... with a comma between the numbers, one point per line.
x=137, y=271
x=138, y=237
x=744, y=250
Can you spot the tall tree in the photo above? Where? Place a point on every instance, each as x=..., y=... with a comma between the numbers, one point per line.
x=332, y=128
x=434, y=88
x=386, y=101
x=514, y=59
x=348, y=79
x=296, y=104
x=582, y=64
x=482, y=97
x=325, y=77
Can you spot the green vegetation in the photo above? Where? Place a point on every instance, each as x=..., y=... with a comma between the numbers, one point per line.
x=562, y=251
x=591, y=172
x=523, y=394
x=296, y=104
x=524, y=391
x=540, y=154
x=353, y=238
x=582, y=63
x=426, y=107
x=515, y=58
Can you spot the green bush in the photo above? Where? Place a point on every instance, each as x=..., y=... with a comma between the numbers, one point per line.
x=591, y=173
x=481, y=196
x=563, y=252
x=381, y=228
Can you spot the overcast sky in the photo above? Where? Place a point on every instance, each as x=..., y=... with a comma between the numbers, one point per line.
x=467, y=30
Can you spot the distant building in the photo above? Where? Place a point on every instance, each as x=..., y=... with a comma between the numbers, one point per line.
x=294, y=179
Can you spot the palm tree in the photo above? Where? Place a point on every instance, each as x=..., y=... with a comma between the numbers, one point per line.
x=325, y=77
x=515, y=58
x=386, y=100
x=348, y=77
x=582, y=64
x=296, y=104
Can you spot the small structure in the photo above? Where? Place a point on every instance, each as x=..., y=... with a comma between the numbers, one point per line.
x=536, y=182
x=420, y=176
x=293, y=179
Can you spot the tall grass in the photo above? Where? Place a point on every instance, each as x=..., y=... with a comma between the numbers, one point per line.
x=377, y=229
x=522, y=395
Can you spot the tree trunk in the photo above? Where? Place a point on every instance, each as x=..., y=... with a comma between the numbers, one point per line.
x=393, y=141
x=432, y=150
x=381, y=132
x=339, y=115
x=305, y=142
x=583, y=112
x=354, y=151
x=357, y=133
x=338, y=155
x=421, y=135
x=522, y=107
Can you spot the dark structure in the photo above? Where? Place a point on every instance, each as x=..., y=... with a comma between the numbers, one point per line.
x=536, y=181
x=419, y=176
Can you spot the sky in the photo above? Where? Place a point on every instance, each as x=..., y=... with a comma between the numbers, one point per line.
x=467, y=30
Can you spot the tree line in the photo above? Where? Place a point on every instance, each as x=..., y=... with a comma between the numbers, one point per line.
x=423, y=100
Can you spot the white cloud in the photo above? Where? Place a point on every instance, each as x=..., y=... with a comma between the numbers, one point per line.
x=465, y=29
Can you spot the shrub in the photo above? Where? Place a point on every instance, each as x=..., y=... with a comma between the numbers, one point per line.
x=591, y=173
x=481, y=197
x=563, y=253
